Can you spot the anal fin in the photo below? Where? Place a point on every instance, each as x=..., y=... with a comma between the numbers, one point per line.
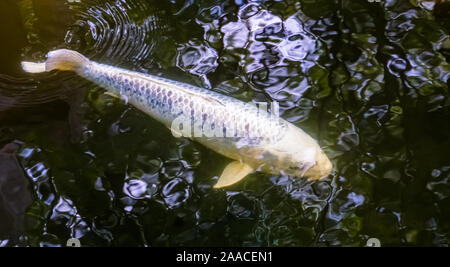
x=233, y=173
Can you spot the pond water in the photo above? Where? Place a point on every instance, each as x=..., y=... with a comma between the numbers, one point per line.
x=369, y=81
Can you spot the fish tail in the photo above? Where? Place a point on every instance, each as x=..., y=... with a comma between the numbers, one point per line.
x=62, y=59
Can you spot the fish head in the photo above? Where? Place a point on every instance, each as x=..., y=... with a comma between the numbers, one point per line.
x=297, y=154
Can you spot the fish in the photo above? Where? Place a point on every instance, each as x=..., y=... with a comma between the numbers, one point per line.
x=252, y=137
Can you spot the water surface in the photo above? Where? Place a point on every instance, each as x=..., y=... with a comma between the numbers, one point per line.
x=369, y=81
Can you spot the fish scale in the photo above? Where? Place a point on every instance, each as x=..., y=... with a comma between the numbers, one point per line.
x=164, y=101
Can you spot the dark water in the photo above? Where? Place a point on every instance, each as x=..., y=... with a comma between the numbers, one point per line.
x=369, y=81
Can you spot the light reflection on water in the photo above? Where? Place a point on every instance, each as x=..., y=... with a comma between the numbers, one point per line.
x=370, y=82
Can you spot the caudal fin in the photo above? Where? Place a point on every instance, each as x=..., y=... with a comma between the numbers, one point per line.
x=62, y=59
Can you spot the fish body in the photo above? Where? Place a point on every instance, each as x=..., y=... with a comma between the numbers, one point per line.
x=255, y=139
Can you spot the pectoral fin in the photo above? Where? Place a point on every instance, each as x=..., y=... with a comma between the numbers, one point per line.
x=233, y=173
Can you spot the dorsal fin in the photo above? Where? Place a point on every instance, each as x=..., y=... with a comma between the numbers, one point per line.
x=179, y=86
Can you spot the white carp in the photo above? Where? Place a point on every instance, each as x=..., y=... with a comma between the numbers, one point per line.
x=255, y=139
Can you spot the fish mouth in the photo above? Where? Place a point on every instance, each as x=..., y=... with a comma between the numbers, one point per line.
x=321, y=169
